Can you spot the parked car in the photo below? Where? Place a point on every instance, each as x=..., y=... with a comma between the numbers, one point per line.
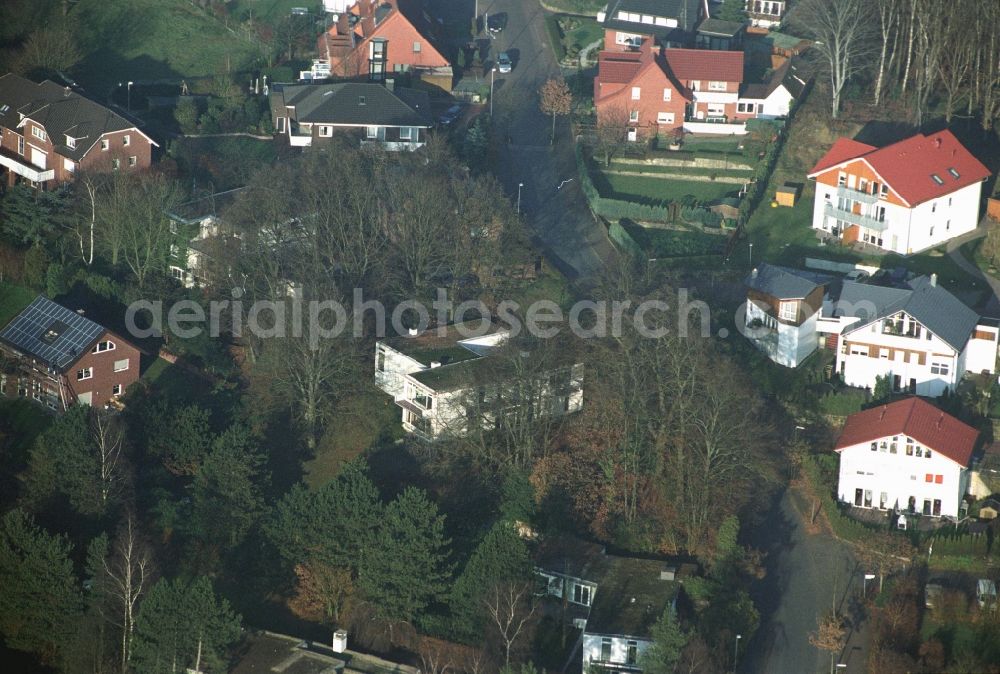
x=450, y=115
x=497, y=22
x=859, y=275
x=504, y=63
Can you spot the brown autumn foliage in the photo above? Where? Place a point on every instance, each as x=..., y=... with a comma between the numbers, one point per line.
x=323, y=593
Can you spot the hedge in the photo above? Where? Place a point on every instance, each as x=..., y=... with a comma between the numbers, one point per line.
x=615, y=209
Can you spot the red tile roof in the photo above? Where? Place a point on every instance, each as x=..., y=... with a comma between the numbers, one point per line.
x=909, y=166
x=705, y=64
x=842, y=150
x=616, y=66
x=917, y=419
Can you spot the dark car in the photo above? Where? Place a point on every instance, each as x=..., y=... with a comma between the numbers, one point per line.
x=450, y=115
x=497, y=22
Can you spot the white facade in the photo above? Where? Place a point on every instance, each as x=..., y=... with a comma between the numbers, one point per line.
x=912, y=356
x=765, y=13
x=777, y=103
x=896, y=472
x=890, y=226
x=621, y=653
x=783, y=343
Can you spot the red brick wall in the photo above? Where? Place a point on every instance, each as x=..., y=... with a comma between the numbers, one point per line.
x=102, y=364
x=139, y=147
x=651, y=82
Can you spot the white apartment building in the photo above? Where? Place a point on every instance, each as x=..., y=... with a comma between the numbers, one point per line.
x=447, y=382
x=919, y=335
x=906, y=197
x=907, y=456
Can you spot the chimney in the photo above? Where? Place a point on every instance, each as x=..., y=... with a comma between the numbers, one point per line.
x=933, y=280
x=937, y=142
x=340, y=641
x=412, y=332
x=435, y=363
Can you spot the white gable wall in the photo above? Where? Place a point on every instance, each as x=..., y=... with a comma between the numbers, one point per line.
x=594, y=643
x=898, y=476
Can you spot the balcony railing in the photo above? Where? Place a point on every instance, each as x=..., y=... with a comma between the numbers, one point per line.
x=865, y=221
x=24, y=168
x=714, y=119
x=845, y=192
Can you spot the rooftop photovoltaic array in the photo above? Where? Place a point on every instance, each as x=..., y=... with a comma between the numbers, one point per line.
x=51, y=333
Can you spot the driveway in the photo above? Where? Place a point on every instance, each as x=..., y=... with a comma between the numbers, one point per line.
x=806, y=573
x=558, y=218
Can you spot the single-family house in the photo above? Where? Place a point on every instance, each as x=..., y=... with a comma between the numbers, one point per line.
x=766, y=14
x=59, y=358
x=905, y=456
x=720, y=35
x=376, y=38
x=397, y=118
x=614, y=600
x=782, y=309
x=775, y=97
x=667, y=23
x=917, y=333
x=451, y=380
x=49, y=132
x=713, y=80
x=202, y=239
x=905, y=197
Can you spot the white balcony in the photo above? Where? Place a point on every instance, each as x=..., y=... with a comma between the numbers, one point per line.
x=853, y=218
x=25, y=169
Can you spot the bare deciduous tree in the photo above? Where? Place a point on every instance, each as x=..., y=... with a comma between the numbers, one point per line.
x=555, y=99
x=108, y=438
x=510, y=607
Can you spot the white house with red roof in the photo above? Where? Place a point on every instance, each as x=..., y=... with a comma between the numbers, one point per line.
x=906, y=197
x=907, y=456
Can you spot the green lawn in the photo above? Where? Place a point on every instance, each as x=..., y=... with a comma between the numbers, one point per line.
x=13, y=298
x=578, y=32
x=618, y=165
x=270, y=11
x=589, y=7
x=145, y=40
x=659, y=191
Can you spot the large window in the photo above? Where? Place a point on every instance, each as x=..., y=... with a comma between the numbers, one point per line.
x=85, y=373
x=406, y=133
x=606, y=649
x=101, y=347
x=581, y=594
x=665, y=118
x=716, y=86
x=788, y=311
x=636, y=93
x=121, y=365
x=38, y=132
x=372, y=132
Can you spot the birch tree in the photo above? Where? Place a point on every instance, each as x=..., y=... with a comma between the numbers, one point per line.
x=510, y=607
x=844, y=39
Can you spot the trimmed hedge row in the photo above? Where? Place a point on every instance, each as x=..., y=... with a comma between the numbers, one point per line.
x=615, y=209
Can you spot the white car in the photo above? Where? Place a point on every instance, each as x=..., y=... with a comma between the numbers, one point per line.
x=504, y=63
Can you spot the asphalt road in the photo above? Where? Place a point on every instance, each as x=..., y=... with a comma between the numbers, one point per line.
x=806, y=574
x=558, y=217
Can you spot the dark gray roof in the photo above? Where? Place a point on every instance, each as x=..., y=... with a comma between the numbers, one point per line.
x=51, y=333
x=60, y=110
x=784, y=282
x=929, y=304
x=685, y=11
x=354, y=104
x=787, y=74
x=630, y=598
x=197, y=210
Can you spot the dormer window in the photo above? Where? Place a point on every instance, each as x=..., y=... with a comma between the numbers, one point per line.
x=70, y=142
x=4, y=109
x=39, y=133
x=361, y=100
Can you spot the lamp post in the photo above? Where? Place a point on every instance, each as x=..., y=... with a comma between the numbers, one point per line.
x=519, y=186
x=493, y=74
x=128, y=97
x=751, y=255
x=864, y=584
x=736, y=651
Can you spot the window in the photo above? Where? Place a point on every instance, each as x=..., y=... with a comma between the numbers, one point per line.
x=937, y=179
x=716, y=110
x=884, y=190
x=39, y=133
x=581, y=594
x=927, y=453
x=919, y=451
x=636, y=92
x=126, y=140
x=841, y=179
x=101, y=347
x=69, y=165
x=70, y=142
x=928, y=478
x=667, y=93
x=105, y=145
x=631, y=652
x=406, y=133
x=716, y=86
x=788, y=311
x=606, y=649
x=934, y=207
x=633, y=116
x=20, y=145
x=325, y=131
x=362, y=100
x=939, y=479
x=665, y=118
x=131, y=161
x=116, y=163
x=939, y=368
x=116, y=390
x=874, y=446
x=695, y=85
x=121, y=365
x=281, y=124
x=416, y=47
x=954, y=174
x=372, y=132
x=85, y=373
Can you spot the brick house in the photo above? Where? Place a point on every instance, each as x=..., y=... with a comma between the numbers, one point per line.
x=48, y=132
x=904, y=198
x=59, y=358
x=380, y=37
x=661, y=91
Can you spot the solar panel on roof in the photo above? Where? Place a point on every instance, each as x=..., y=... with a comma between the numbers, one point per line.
x=51, y=332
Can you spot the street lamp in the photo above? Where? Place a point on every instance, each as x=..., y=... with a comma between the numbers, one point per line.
x=128, y=97
x=519, y=186
x=736, y=650
x=751, y=255
x=864, y=584
x=493, y=74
